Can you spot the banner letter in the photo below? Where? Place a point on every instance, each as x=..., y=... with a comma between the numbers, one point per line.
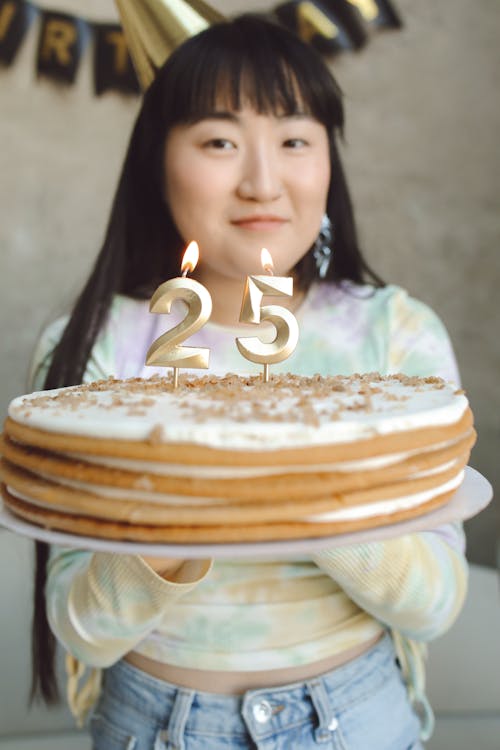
x=378, y=12
x=15, y=18
x=316, y=24
x=60, y=46
x=113, y=68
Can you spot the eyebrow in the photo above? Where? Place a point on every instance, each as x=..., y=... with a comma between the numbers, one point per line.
x=217, y=115
x=232, y=117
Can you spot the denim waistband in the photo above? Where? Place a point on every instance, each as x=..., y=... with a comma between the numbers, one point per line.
x=257, y=712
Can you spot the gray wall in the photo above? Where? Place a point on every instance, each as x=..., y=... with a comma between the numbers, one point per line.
x=424, y=163
x=422, y=122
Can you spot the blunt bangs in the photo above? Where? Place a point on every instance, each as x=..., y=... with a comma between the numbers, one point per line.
x=247, y=61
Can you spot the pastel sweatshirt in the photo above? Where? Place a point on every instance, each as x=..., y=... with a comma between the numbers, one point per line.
x=269, y=613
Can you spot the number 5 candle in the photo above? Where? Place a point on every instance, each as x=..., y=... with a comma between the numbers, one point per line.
x=165, y=350
x=252, y=311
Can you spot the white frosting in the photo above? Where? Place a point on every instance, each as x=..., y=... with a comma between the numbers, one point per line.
x=61, y=507
x=242, y=472
x=396, y=407
x=385, y=507
x=144, y=495
x=126, y=493
x=350, y=513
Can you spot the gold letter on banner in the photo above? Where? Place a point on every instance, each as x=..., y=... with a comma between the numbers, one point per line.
x=120, y=59
x=62, y=39
x=368, y=8
x=7, y=13
x=58, y=38
x=311, y=21
x=15, y=18
x=113, y=69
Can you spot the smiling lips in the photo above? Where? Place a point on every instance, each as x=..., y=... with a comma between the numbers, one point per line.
x=261, y=222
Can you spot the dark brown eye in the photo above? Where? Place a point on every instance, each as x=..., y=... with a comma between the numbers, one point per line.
x=294, y=143
x=222, y=144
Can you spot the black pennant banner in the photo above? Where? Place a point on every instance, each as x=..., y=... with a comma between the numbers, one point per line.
x=62, y=41
x=113, y=69
x=15, y=18
x=332, y=26
x=60, y=45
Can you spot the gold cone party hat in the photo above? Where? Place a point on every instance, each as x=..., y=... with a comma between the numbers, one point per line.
x=154, y=28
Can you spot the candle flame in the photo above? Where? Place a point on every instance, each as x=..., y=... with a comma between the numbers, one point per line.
x=266, y=261
x=190, y=258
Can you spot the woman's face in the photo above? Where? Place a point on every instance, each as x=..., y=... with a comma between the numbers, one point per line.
x=239, y=181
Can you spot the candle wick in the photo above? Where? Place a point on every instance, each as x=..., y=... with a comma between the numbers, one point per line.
x=186, y=267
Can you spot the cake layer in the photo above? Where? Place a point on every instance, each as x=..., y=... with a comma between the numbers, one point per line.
x=236, y=413
x=184, y=510
x=311, y=481
x=222, y=533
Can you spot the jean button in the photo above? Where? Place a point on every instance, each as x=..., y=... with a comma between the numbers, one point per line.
x=333, y=725
x=262, y=712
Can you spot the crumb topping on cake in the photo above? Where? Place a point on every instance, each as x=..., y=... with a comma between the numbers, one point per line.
x=233, y=394
x=243, y=411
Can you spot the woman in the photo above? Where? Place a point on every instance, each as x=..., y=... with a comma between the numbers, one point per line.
x=235, y=146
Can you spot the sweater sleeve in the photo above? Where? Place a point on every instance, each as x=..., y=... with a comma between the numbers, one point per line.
x=101, y=363
x=414, y=583
x=418, y=342
x=100, y=605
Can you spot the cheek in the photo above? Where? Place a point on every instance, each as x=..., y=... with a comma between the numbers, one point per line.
x=320, y=180
x=180, y=181
x=312, y=180
x=313, y=196
x=197, y=215
x=192, y=183
x=188, y=198
x=310, y=198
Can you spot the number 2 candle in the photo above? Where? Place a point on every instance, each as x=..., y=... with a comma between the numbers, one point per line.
x=166, y=351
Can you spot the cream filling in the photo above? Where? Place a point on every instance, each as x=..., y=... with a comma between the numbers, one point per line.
x=40, y=504
x=142, y=495
x=385, y=507
x=118, y=493
x=237, y=472
x=352, y=513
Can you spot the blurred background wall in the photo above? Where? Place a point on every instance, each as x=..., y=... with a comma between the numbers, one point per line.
x=423, y=117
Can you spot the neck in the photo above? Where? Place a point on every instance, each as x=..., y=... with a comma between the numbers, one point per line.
x=227, y=295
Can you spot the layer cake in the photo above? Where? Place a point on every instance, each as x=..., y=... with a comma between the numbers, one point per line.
x=227, y=459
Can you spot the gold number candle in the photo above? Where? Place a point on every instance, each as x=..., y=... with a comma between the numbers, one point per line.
x=252, y=311
x=166, y=351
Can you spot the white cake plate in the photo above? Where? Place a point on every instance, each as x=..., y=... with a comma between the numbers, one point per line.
x=473, y=495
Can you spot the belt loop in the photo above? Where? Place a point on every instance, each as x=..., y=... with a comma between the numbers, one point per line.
x=321, y=702
x=173, y=737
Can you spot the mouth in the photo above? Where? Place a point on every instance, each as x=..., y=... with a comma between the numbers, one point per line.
x=260, y=223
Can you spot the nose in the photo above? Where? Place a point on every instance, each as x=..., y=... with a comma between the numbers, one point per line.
x=260, y=177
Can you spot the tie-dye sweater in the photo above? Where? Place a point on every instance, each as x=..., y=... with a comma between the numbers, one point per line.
x=268, y=613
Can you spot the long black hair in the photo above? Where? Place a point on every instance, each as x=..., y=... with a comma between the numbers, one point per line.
x=272, y=69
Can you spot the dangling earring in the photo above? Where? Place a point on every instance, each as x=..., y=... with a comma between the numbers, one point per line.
x=322, y=251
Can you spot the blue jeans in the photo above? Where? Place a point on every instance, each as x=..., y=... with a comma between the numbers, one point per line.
x=362, y=705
